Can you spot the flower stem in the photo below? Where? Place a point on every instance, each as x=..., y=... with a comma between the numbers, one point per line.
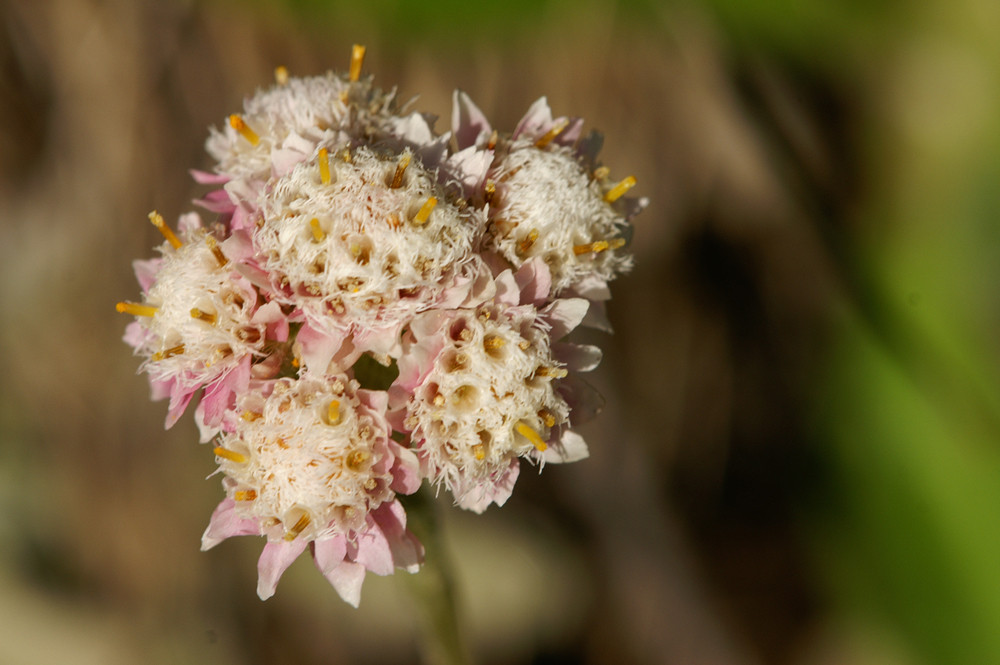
x=433, y=588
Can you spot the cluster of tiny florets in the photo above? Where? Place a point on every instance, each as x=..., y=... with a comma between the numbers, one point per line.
x=375, y=305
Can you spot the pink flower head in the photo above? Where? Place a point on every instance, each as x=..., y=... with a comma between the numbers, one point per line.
x=478, y=388
x=312, y=462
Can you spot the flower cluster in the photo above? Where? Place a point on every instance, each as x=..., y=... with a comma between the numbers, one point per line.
x=373, y=305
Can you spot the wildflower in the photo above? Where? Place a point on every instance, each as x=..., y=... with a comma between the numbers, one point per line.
x=311, y=461
x=199, y=323
x=548, y=199
x=479, y=386
x=361, y=246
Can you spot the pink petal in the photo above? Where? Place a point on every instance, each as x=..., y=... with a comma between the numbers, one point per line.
x=225, y=523
x=407, y=552
x=238, y=247
x=406, y=477
x=206, y=178
x=180, y=397
x=146, y=271
x=470, y=167
x=319, y=347
x=329, y=553
x=478, y=498
x=215, y=201
x=564, y=315
x=372, y=550
x=217, y=394
x=274, y=319
x=468, y=123
x=538, y=116
x=275, y=560
x=534, y=279
x=570, y=448
x=347, y=579
x=577, y=357
x=508, y=292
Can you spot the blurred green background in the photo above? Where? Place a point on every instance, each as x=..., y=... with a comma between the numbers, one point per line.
x=799, y=459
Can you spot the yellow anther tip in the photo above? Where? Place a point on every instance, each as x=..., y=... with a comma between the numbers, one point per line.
x=620, y=189
x=357, y=59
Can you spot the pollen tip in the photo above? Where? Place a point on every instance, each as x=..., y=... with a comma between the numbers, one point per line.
x=619, y=190
x=425, y=211
x=168, y=233
x=550, y=135
x=236, y=122
x=528, y=432
x=230, y=455
x=281, y=75
x=357, y=59
x=324, y=166
x=317, y=232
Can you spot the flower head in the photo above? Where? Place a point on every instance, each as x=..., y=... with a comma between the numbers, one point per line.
x=350, y=236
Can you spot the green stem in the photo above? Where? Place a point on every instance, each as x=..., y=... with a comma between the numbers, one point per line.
x=433, y=588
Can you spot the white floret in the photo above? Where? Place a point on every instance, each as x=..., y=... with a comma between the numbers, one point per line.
x=296, y=117
x=494, y=373
x=195, y=350
x=366, y=259
x=545, y=205
x=299, y=461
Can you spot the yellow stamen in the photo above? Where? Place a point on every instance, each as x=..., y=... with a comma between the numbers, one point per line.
x=556, y=130
x=213, y=245
x=172, y=351
x=345, y=155
x=425, y=211
x=356, y=459
x=281, y=75
x=479, y=450
x=529, y=240
x=245, y=495
x=333, y=412
x=250, y=416
x=298, y=528
x=489, y=191
x=601, y=172
x=157, y=220
x=324, y=166
x=598, y=246
x=397, y=177
x=553, y=372
x=318, y=234
x=237, y=123
x=530, y=434
x=207, y=317
x=619, y=190
x=492, y=143
x=493, y=342
x=357, y=59
x=295, y=363
x=135, y=309
x=547, y=418
x=230, y=455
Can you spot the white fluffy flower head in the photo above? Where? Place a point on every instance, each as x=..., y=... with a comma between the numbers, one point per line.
x=547, y=205
x=488, y=398
x=367, y=238
x=201, y=322
x=311, y=459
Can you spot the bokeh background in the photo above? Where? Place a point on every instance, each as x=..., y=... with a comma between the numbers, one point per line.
x=799, y=458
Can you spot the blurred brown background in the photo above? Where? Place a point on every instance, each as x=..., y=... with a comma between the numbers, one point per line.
x=798, y=460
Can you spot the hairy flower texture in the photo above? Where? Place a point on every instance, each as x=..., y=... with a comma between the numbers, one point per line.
x=364, y=246
x=282, y=125
x=312, y=461
x=547, y=200
x=352, y=245
x=479, y=388
x=199, y=323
